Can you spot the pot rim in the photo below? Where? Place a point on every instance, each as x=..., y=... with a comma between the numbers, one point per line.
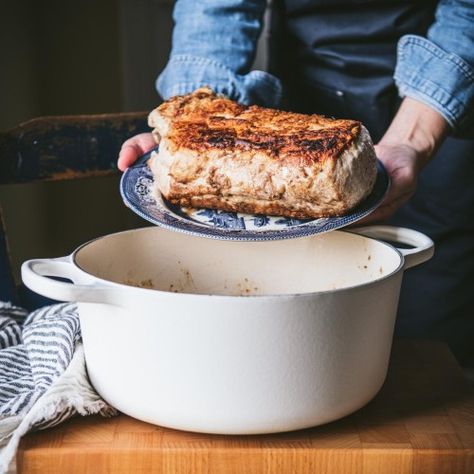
x=109, y=283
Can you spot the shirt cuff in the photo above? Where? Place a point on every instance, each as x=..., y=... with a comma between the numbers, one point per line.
x=440, y=79
x=184, y=74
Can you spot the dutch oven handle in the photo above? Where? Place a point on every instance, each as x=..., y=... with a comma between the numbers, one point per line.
x=423, y=246
x=35, y=273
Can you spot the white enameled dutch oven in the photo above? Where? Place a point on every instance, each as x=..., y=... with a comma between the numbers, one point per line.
x=235, y=337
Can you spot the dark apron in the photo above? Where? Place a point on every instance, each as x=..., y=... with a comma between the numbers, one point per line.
x=337, y=58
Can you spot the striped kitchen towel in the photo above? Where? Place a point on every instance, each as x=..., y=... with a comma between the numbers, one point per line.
x=43, y=377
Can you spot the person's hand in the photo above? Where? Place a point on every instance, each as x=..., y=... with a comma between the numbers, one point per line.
x=133, y=148
x=403, y=164
x=408, y=145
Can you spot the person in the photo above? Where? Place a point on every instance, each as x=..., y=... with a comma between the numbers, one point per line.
x=406, y=70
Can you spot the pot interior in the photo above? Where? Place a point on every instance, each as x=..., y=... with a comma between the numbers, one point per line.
x=159, y=259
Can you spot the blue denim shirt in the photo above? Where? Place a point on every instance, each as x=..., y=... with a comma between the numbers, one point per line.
x=214, y=44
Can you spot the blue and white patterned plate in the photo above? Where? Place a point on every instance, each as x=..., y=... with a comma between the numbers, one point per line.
x=136, y=190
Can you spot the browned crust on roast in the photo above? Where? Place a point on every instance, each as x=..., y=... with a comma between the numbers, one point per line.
x=216, y=153
x=203, y=121
x=269, y=208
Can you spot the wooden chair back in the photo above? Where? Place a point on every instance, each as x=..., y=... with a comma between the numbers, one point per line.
x=58, y=148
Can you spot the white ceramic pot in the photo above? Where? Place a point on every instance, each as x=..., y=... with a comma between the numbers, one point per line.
x=261, y=337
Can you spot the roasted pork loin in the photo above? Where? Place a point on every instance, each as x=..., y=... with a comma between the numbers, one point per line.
x=216, y=153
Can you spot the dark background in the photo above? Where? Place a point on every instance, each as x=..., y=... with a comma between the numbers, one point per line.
x=75, y=57
x=64, y=57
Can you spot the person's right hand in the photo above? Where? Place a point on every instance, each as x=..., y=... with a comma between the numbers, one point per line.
x=133, y=148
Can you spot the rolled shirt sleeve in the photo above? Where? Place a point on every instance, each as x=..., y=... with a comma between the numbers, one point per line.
x=214, y=44
x=439, y=70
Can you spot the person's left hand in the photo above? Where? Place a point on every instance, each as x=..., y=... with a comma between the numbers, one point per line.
x=403, y=164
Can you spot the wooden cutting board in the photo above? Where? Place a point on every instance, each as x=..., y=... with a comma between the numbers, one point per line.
x=422, y=421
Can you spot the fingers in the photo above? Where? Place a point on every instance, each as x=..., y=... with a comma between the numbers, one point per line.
x=385, y=211
x=402, y=189
x=133, y=148
x=401, y=164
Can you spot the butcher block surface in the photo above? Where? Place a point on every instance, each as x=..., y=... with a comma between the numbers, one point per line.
x=422, y=421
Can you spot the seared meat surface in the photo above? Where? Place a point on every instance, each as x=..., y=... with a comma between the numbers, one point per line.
x=219, y=154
